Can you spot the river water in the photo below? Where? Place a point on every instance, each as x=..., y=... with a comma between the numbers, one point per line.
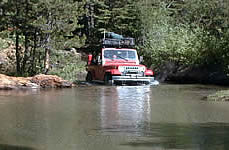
x=165, y=117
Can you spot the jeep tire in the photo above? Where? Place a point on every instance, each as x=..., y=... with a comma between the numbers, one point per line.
x=89, y=77
x=107, y=78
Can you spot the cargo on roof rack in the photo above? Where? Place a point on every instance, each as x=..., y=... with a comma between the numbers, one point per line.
x=125, y=42
x=112, y=39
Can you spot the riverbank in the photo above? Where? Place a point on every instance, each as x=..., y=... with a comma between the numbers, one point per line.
x=192, y=74
x=202, y=74
x=36, y=82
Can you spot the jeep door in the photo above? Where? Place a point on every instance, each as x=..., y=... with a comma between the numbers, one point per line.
x=99, y=73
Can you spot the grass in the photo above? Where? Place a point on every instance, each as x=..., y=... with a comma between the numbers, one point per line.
x=219, y=96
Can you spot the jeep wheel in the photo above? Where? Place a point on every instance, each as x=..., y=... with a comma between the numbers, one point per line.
x=89, y=77
x=107, y=78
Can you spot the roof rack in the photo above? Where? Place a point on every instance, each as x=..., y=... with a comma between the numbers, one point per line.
x=115, y=40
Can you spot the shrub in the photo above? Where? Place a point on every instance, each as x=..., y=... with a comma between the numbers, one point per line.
x=66, y=65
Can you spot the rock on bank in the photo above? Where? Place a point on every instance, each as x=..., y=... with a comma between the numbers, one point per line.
x=38, y=81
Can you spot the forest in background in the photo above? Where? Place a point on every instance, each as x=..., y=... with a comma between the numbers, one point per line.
x=186, y=32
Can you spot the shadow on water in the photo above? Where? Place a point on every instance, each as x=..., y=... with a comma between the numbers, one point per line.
x=206, y=136
x=14, y=147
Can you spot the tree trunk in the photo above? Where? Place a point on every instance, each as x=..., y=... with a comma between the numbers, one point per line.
x=47, y=55
x=33, y=63
x=25, y=58
x=47, y=46
x=18, y=67
x=47, y=60
x=26, y=42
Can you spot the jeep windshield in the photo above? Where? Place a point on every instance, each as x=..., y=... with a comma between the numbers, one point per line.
x=120, y=54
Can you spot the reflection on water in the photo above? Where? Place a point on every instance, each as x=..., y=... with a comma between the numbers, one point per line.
x=128, y=111
x=125, y=106
x=22, y=92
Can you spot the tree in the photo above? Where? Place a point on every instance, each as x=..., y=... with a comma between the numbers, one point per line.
x=111, y=16
x=45, y=23
x=187, y=32
x=57, y=20
x=15, y=17
x=125, y=17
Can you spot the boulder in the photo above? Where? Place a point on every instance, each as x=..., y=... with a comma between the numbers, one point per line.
x=50, y=81
x=8, y=83
x=38, y=81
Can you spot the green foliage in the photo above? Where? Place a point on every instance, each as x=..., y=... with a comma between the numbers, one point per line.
x=47, y=24
x=66, y=65
x=179, y=45
x=58, y=19
x=188, y=32
x=219, y=96
x=212, y=17
x=4, y=40
x=3, y=44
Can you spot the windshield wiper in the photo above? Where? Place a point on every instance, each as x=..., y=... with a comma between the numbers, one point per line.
x=122, y=57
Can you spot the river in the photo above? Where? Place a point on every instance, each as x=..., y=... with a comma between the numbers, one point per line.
x=164, y=117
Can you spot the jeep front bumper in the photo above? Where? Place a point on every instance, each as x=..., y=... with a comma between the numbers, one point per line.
x=128, y=79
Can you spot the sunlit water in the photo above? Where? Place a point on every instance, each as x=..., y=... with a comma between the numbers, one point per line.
x=165, y=117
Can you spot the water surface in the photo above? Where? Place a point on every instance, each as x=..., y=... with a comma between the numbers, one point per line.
x=115, y=118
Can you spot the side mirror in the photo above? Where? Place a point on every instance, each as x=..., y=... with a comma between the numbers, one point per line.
x=141, y=59
x=89, y=59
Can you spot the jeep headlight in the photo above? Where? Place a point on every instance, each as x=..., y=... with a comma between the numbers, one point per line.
x=121, y=68
x=142, y=69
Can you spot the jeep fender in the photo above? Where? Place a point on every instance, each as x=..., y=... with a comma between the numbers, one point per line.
x=113, y=72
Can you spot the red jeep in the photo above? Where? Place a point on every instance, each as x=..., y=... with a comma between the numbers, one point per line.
x=113, y=65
